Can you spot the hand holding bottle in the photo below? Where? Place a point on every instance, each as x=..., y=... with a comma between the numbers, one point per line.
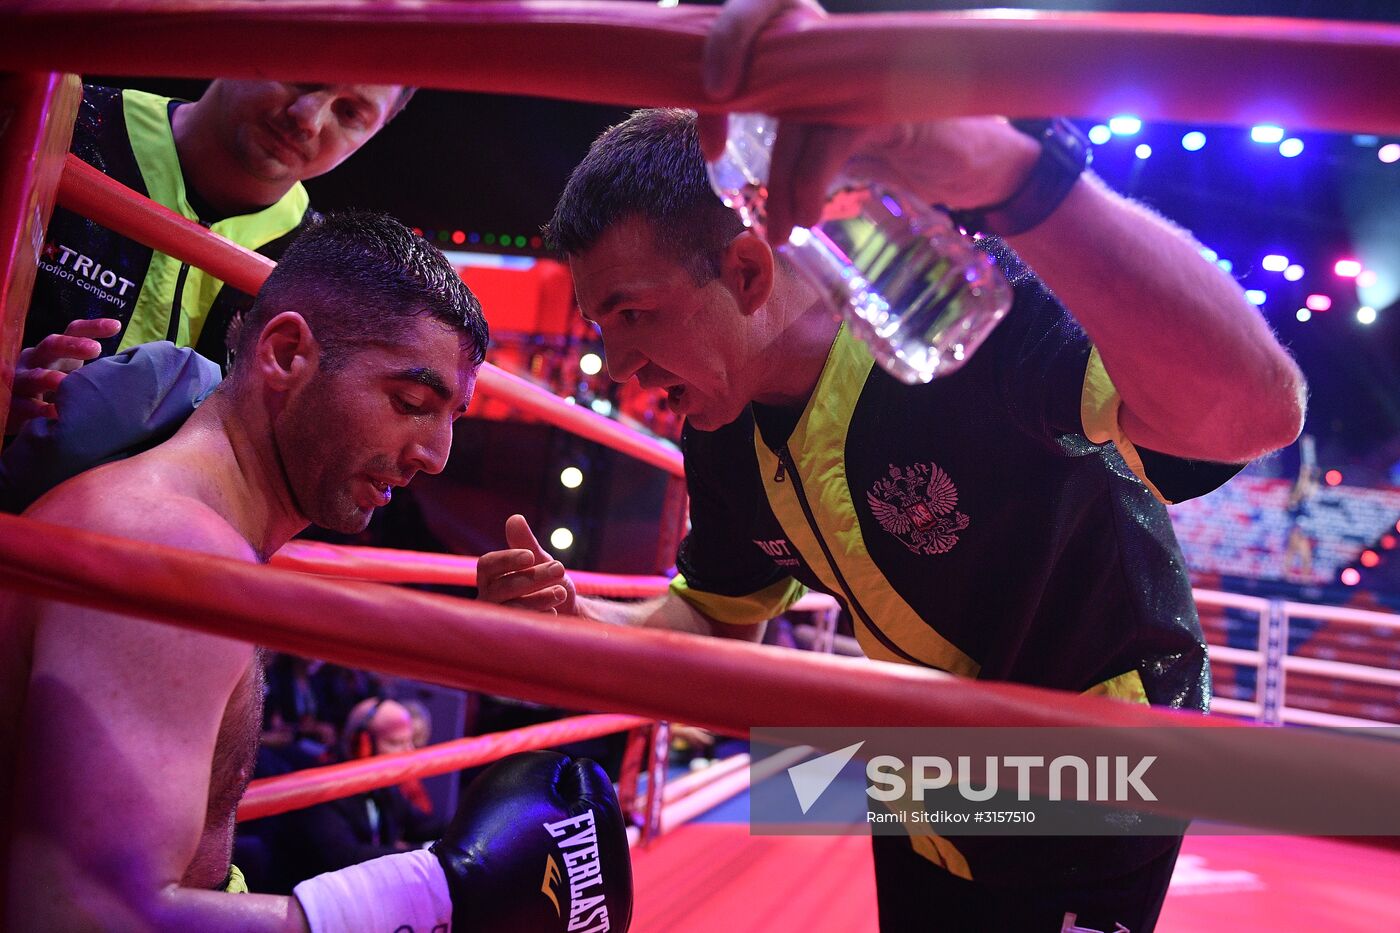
x=903, y=276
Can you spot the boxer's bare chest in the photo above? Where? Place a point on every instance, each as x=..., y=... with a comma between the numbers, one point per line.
x=235, y=752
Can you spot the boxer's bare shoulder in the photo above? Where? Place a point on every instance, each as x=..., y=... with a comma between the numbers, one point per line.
x=143, y=705
x=156, y=497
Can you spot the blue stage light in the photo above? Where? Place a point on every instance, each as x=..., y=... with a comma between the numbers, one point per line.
x=1125, y=125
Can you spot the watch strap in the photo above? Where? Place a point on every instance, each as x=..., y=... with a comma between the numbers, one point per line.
x=1064, y=155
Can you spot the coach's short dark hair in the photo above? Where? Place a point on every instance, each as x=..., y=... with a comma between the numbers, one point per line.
x=359, y=278
x=400, y=102
x=648, y=166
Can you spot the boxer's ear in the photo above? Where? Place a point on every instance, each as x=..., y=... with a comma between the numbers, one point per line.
x=746, y=267
x=287, y=353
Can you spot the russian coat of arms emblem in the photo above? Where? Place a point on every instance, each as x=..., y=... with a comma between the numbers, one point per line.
x=918, y=505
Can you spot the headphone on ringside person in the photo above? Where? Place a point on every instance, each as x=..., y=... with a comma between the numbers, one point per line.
x=359, y=740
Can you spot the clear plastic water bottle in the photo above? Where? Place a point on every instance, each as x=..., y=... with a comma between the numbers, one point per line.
x=901, y=273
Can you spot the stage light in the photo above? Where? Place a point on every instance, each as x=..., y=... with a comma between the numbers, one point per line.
x=1388, y=542
x=1290, y=147
x=1125, y=125
x=1193, y=141
x=459, y=237
x=1274, y=262
x=1366, y=314
x=591, y=364
x=571, y=477
x=1099, y=134
x=473, y=237
x=602, y=406
x=1389, y=153
x=1333, y=477
x=1370, y=558
x=1304, y=315
x=1225, y=264
x=1365, y=139
x=519, y=241
x=1347, y=268
x=1319, y=302
x=561, y=538
x=1143, y=151
x=490, y=239
x=1293, y=273
x=1266, y=133
x=1366, y=278
x=1351, y=576
x=1209, y=253
x=1255, y=296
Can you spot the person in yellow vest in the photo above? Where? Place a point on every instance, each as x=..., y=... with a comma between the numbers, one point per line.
x=232, y=161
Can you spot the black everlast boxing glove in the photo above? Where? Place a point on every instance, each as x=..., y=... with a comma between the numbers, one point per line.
x=538, y=844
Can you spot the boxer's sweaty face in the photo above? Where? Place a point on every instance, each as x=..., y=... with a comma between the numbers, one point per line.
x=662, y=328
x=291, y=132
x=353, y=435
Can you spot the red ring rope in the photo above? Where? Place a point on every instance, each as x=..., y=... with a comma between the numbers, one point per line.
x=388, y=565
x=271, y=796
x=861, y=68
x=86, y=191
x=718, y=684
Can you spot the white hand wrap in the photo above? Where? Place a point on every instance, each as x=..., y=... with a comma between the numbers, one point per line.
x=404, y=892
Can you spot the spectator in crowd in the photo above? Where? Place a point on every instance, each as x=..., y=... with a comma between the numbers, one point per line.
x=364, y=826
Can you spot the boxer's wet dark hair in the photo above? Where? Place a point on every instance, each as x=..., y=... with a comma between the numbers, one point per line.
x=359, y=279
x=648, y=166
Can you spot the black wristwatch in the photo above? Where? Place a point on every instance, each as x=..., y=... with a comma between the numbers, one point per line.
x=1064, y=155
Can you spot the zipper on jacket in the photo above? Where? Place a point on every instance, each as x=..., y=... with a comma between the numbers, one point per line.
x=172, y=330
x=786, y=466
